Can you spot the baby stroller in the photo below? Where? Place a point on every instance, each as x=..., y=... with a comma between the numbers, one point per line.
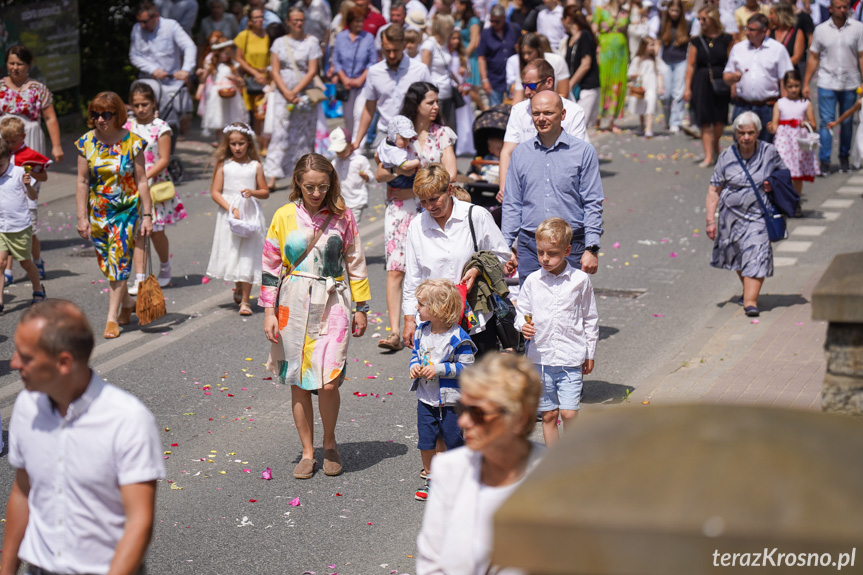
x=489, y=124
x=169, y=110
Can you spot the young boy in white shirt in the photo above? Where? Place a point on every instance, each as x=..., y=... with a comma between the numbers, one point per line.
x=354, y=173
x=16, y=230
x=557, y=315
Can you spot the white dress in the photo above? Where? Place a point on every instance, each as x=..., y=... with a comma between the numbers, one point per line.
x=647, y=71
x=235, y=258
x=219, y=112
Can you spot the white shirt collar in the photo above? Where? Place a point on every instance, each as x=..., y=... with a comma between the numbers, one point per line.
x=567, y=271
x=459, y=213
x=80, y=406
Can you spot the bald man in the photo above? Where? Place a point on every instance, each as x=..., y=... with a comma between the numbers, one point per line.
x=552, y=174
x=86, y=455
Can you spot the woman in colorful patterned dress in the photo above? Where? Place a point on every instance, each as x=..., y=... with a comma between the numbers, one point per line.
x=111, y=173
x=31, y=101
x=157, y=133
x=609, y=27
x=308, y=312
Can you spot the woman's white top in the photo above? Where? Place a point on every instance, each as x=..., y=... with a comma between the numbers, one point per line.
x=439, y=68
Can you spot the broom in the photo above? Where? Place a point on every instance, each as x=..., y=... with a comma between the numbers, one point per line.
x=150, y=304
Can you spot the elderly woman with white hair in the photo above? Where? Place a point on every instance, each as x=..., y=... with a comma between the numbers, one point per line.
x=497, y=412
x=739, y=231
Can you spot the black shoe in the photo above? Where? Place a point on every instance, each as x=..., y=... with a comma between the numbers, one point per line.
x=825, y=169
x=798, y=211
x=751, y=311
x=844, y=165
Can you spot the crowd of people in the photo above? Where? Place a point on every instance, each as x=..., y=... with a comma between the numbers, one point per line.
x=511, y=294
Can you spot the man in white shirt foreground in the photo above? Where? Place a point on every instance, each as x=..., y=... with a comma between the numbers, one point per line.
x=87, y=456
x=537, y=76
x=757, y=65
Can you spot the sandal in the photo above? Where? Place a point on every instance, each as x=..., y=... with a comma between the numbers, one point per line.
x=125, y=317
x=305, y=469
x=245, y=309
x=112, y=330
x=392, y=342
x=332, y=462
x=38, y=297
x=424, y=475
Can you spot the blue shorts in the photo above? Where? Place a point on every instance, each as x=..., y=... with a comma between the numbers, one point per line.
x=561, y=387
x=436, y=421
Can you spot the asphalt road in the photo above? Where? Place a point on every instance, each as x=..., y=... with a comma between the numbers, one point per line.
x=224, y=421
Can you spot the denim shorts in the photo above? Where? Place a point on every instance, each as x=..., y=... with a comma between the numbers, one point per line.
x=436, y=421
x=561, y=387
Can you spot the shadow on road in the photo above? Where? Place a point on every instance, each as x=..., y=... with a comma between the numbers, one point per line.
x=605, y=392
x=767, y=302
x=606, y=332
x=360, y=455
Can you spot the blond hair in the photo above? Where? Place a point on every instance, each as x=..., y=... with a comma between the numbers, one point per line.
x=508, y=380
x=712, y=14
x=431, y=180
x=443, y=300
x=442, y=27
x=554, y=231
x=461, y=194
x=11, y=127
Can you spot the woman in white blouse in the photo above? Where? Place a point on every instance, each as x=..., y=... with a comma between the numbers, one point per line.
x=436, y=56
x=439, y=244
x=497, y=412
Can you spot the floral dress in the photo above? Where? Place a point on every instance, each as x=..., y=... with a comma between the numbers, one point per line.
x=27, y=104
x=314, y=309
x=293, y=131
x=400, y=213
x=803, y=164
x=164, y=213
x=113, y=200
x=613, y=61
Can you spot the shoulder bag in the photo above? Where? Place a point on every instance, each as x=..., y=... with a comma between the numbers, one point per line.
x=504, y=310
x=315, y=93
x=720, y=88
x=162, y=191
x=775, y=222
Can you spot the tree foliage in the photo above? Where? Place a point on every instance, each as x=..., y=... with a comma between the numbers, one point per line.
x=105, y=37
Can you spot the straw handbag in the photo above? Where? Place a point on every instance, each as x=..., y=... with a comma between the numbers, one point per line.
x=150, y=304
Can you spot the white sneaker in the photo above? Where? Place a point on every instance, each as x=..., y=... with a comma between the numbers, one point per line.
x=164, y=277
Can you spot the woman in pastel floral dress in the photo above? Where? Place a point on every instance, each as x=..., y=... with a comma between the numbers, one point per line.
x=112, y=180
x=434, y=143
x=157, y=133
x=307, y=301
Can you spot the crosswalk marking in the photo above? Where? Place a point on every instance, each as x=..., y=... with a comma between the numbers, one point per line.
x=858, y=180
x=781, y=262
x=850, y=190
x=791, y=246
x=808, y=230
x=830, y=216
x=834, y=204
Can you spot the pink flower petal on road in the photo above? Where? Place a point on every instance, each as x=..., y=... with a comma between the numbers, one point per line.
x=295, y=502
x=205, y=280
x=672, y=255
x=267, y=474
x=754, y=321
x=658, y=315
x=616, y=245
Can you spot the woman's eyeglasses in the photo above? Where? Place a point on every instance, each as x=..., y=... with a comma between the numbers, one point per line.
x=476, y=413
x=323, y=188
x=104, y=115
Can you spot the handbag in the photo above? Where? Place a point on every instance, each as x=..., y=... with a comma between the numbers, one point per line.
x=162, y=192
x=504, y=310
x=227, y=92
x=637, y=91
x=720, y=88
x=150, y=303
x=241, y=226
x=776, y=230
x=342, y=94
x=315, y=93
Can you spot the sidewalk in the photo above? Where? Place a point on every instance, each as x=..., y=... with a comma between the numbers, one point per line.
x=776, y=360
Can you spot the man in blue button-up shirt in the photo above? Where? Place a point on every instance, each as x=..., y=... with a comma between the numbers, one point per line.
x=553, y=174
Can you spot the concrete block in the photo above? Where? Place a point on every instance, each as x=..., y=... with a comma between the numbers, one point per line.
x=838, y=297
x=842, y=394
x=844, y=348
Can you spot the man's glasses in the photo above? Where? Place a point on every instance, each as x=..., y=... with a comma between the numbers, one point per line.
x=476, y=413
x=104, y=115
x=531, y=85
x=147, y=20
x=323, y=188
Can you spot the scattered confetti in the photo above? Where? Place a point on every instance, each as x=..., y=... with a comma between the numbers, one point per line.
x=295, y=502
x=267, y=474
x=672, y=255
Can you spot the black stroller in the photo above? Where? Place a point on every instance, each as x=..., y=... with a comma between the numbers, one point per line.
x=489, y=124
x=169, y=111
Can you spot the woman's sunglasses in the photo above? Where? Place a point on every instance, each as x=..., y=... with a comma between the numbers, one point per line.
x=476, y=413
x=104, y=115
